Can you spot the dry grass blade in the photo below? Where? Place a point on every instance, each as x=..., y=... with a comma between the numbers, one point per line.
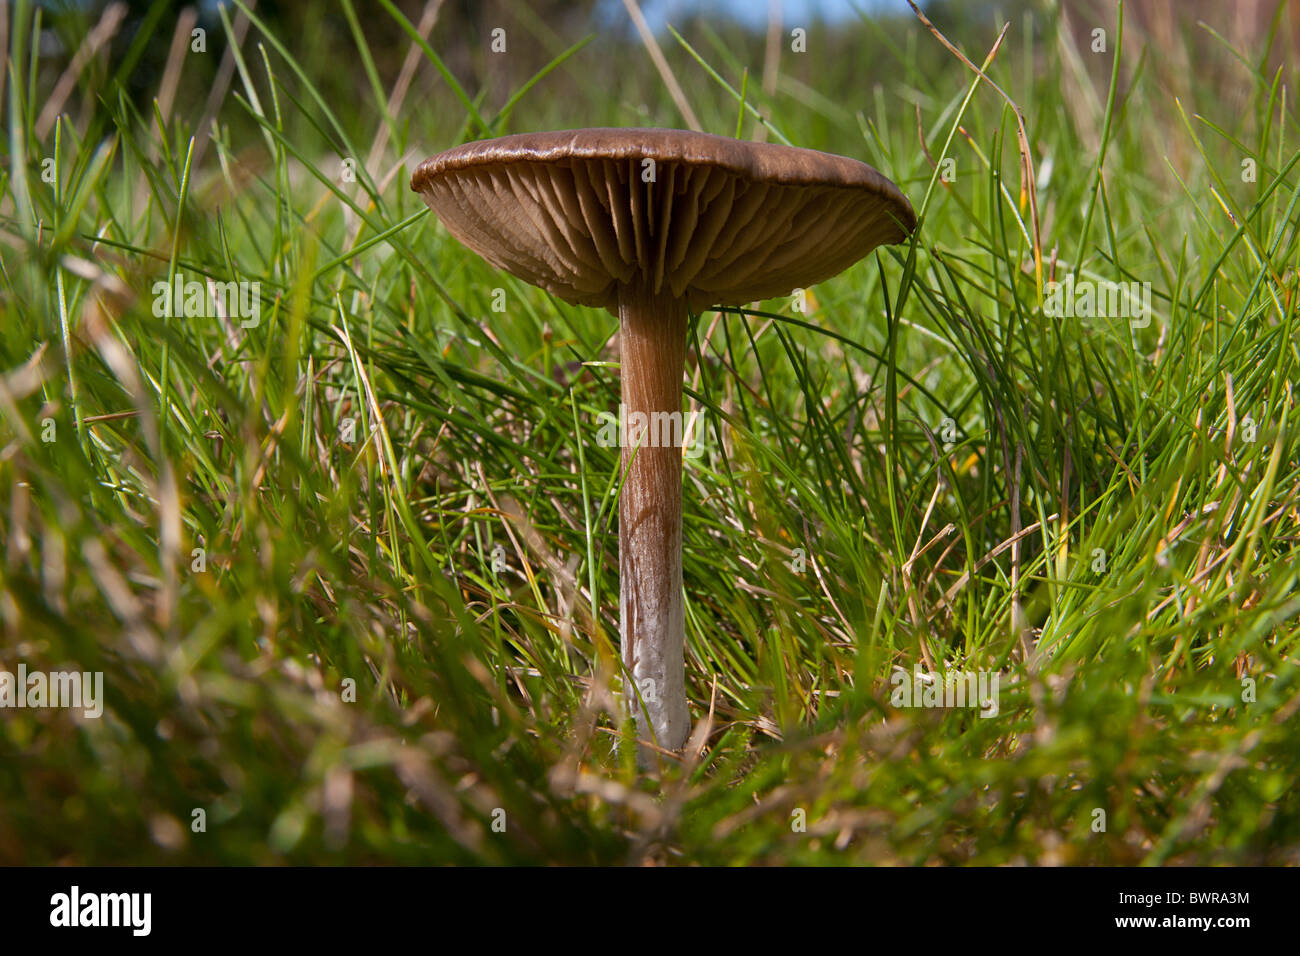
x=1028, y=186
x=661, y=64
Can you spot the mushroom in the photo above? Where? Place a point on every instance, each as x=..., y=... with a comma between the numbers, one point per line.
x=650, y=224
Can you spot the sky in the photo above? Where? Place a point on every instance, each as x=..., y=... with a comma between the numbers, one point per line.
x=754, y=13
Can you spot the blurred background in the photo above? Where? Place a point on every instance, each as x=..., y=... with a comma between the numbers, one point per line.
x=851, y=52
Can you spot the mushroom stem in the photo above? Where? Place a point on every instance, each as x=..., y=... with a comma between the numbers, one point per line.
x=652, y=334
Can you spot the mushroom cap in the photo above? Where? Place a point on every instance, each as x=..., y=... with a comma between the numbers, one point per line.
x=716, y=221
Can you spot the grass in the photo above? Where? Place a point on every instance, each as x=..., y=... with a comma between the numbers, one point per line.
x=350, y=570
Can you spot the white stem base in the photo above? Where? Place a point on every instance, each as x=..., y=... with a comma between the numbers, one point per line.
x=651, y=612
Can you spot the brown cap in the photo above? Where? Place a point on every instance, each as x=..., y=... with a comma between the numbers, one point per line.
x=716, y=221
